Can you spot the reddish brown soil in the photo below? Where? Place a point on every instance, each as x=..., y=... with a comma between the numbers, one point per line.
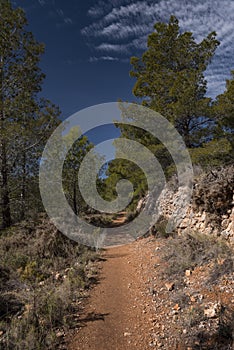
x=132, y=307
x=118, y=314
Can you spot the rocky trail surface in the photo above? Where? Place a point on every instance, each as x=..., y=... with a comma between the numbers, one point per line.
x=118, y=315
x=134, y=306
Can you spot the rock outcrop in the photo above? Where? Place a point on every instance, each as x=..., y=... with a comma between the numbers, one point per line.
x=212, y=207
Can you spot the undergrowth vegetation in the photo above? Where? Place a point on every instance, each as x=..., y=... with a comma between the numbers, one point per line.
x=196, y=249
x=43, y=275
x=206, y=325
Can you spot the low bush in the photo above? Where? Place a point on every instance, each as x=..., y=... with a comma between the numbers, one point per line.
x=194, y=249
x=42, y=276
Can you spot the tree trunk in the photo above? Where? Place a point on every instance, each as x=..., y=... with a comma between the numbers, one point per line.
x=23, y=188
x=5, y=200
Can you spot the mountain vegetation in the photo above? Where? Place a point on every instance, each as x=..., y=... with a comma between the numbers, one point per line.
x=26, y=119
x=43, y=274
x=170, y=79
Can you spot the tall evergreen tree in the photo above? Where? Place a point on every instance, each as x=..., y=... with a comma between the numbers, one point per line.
x=71, y=168
x=224, y=111
x=170, y=78
x=25, y=119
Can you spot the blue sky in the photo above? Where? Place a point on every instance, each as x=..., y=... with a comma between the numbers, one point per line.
x=89, y=43
x=74, y=80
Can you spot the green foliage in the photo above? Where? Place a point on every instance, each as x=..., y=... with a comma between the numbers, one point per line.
x=212, y=154
x=159, y=229
x=71, y=168
x=170, y=78
x=123, y=169
x=32, y=272
x=43, y=275
x=223, y=108
x=25, y=119
x=225, y=105
x=19, y=261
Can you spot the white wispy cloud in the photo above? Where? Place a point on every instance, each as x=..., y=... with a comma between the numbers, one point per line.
x=99, y=9
x=122, y=32
x=102, y=7
x=113, y=48
x=122, y=26
x=139, y=43
x=103, y=58
x=120, y=23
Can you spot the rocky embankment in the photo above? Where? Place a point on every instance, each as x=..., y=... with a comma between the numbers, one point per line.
x=212, y=207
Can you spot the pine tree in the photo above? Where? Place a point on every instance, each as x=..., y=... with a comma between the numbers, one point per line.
x=25, y=120
x=224, y=112
x=71, y=168
x=170, y=79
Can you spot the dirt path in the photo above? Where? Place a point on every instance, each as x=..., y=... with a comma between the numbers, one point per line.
x=119, y=311
x=137, y=306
